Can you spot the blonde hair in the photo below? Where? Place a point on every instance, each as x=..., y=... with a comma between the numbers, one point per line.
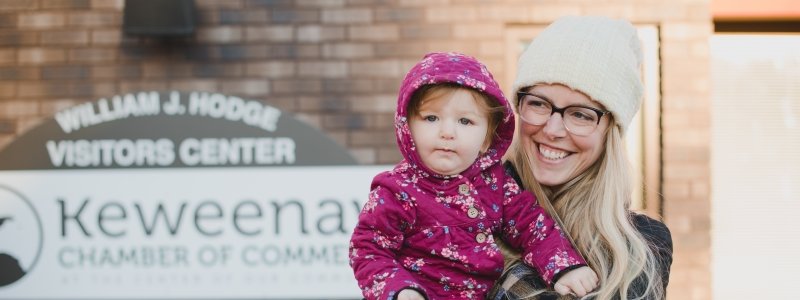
x=592, y=208
x=493, y=109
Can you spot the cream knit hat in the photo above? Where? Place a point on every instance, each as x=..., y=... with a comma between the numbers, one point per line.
x=598, y=56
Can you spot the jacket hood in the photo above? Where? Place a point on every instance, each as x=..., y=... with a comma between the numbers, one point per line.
x=465, y=71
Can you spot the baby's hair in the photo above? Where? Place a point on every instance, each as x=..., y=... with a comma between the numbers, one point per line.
x=493, y=109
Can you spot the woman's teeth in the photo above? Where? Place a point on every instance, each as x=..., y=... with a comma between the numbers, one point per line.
x=552, y=153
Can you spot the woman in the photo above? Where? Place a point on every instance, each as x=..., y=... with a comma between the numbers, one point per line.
x=577, y=90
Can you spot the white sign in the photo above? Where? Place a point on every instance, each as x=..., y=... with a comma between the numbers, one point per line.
x=182, y=232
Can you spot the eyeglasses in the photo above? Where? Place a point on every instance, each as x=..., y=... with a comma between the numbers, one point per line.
x=578, y=120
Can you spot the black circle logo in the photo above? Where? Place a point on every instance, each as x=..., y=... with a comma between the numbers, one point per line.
x=21, y=236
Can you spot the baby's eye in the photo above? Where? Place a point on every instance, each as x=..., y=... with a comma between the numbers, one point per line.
x=430, y=118
x=465, y=121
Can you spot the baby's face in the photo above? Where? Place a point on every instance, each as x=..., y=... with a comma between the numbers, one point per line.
x=449, y=132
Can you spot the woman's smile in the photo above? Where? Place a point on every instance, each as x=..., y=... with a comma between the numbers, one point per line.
x=552, y=154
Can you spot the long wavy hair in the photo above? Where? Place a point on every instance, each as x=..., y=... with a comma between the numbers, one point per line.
x=593, y=209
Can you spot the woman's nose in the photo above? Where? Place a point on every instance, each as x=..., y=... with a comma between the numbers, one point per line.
x=554, y=127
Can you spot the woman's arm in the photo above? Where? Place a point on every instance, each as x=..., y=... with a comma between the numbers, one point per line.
x=520, y=280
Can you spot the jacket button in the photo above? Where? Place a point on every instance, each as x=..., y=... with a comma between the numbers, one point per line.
x=480, y=238
x=464, y=189
x=472, y=212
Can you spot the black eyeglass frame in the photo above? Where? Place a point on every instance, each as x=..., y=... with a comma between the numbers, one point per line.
x=560, y=110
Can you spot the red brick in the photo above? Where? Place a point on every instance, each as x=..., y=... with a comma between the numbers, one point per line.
x=374, y=33
x=64, y=37
x=466, y=47
x=109, y=4
x=347, y=50
x=95, y=19
x=106, y=37
x=18, y=5
x=316, y=33
x=19, y=73
x=222, y=34
x=8, y=56
x=307, y=51
x=405, y=15
x=117, y=71
x=295, y=16
x=250, y=16
x=380, y=68
x=65, y=72
x=218, y=70
x=269, y=33
x=269, y=3
x=8, y=20
x=8, y=90
x=16, y=38
x=320, y=3
x=347, y=16
x=348, y=86
x=450, y=14
x=41, y=55
x=160, y=70
x=19, y=108
x=136, y=86
x=375, y=138
x=92, y=55
x=328, y=103
x=328, y=69
x=66, y=4
x=194, y=85
x=272, y=69
x=374, y=103
x=477, y=31
x=209, y=4
x=426, y=32
x=246, y=87
x=41, y=20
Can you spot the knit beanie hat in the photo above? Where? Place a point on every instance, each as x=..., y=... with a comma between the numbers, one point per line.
x=598, y=56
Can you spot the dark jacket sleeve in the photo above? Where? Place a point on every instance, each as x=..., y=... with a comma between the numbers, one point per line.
x=659, y=238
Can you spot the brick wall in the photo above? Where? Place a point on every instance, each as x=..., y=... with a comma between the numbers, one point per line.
x=337, y=64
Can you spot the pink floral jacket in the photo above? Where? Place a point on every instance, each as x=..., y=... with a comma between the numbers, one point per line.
x=435, y=233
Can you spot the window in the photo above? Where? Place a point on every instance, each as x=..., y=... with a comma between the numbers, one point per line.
x=755, y=155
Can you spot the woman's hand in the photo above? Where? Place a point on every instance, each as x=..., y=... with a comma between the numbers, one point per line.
x=579, y=282
x=409, y=294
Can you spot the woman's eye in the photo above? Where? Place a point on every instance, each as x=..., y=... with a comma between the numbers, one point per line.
x=581, y=115
x=430, y=118
x=465, y=121
x=537, y=103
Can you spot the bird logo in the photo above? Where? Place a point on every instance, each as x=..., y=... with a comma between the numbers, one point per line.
x=20, y=236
